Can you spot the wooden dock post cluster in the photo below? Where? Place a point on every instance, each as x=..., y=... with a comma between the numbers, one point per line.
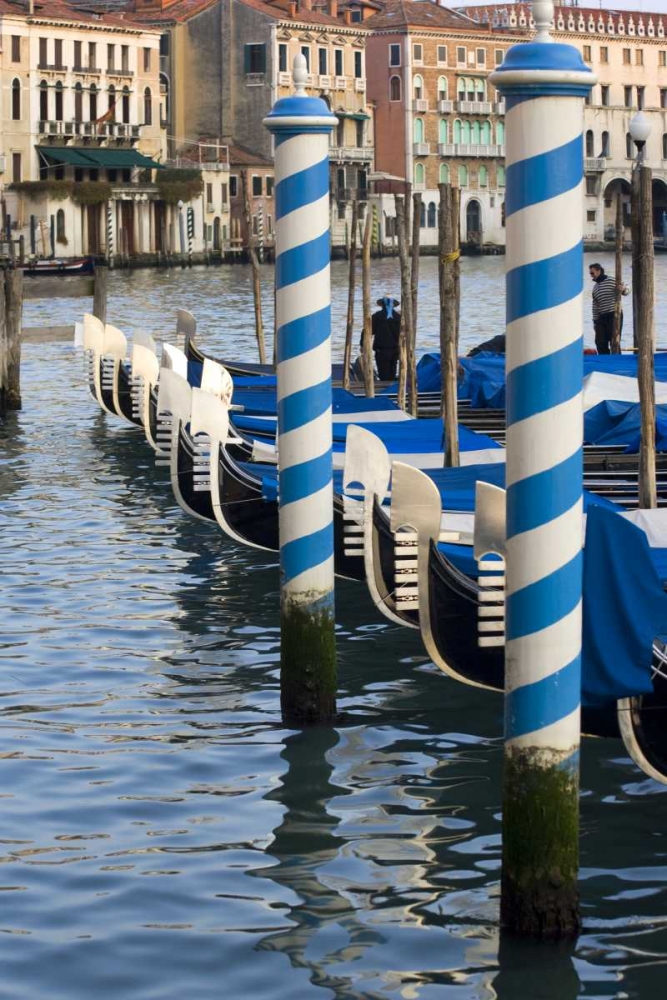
x=544, y=84
x=11, y=312
x=308, y=679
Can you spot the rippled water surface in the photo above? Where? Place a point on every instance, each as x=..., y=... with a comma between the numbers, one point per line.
x=162, y=835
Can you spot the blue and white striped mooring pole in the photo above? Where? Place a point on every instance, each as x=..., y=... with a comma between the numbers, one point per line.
x=301, y=126
x=544, y=84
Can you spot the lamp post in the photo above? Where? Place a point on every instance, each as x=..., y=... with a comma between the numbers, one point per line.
x=181, y=232
x=642, y=306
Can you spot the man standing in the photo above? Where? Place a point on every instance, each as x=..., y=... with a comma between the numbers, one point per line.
x=604, y=304
x=385, y=331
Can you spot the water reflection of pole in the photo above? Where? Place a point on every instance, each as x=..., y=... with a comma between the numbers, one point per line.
x=517, y=962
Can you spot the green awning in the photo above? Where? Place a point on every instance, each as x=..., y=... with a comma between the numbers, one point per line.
x=358, y=116
x=64, y=154
x=119, y=159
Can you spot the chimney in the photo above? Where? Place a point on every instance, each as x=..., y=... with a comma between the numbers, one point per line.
x=347, y=15
x=292, y=8
x=31, y=7
x=307, y=4
x=333, y=8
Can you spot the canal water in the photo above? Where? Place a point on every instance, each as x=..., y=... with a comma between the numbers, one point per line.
x=162, y=835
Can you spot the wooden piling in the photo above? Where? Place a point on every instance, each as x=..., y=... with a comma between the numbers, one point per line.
x=3, y=352
x=618, y=309
x=448, y=253
x=406, y=297
x=101, y=292
x=643, y=301
x=254, y=262
x=411, y=344
x=13, y=315
x=349, y=326
x=367, y=339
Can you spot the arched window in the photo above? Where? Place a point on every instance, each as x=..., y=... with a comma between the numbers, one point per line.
x=463, y=176
x=474, y=132
x=465, y=132
x=470, y=87
x=500, y=176
x=148, y=106
x=395, y=88
x=500, y=133
x=44, y=101
x=483, y=177
x=59, y=101
x=457, y=131
x=590, y=143
x=113, y=97
x=78, y=102
x=92, y=100
x=442, y=131
x=605, y=145
x=480, y=90
x=419, y=175
x=418, y=88
x=60, y=226
x=628, y=146
x=461, y=88
x=419, y=129
x=443, y=176
x=16, y=100
x=432, y=215
x=422, y=216
x=442, y=88
x=126, y=105
x=485, y=133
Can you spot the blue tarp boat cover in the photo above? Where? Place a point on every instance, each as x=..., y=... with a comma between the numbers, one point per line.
x=264, y=401
x=616, y=422
x=624, y=608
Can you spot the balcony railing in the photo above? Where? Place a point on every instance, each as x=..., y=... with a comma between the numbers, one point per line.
x=323, y=81
x=340, y=83
x=90, y=130
x=595, y=163
x=52, y=67
x=284, y=79
x=499, y=107
x=94, y=70
x=255, y=79
x=359, y=85
x=444, y=107
x=421, y=104
x=421, y=148
x=360, y=154
x=474, y=107
x=470, y=149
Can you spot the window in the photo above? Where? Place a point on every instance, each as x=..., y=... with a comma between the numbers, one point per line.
x=269, y=187
x=16, y=168
x=338, y=62
x=322, y=62
x=500, y=134
x=662, y=57
x=282, y=58
x=627, y=97
x=422, y=216
x=485, y=133
x=16, y=100
x=639, y=57
x=500, y=176
x=418, y=88
x=443, y=175
x=606, y=149
x=148, y=106
x=111, y=58
x=460, y=55
x=443, y=131
x=498, y=56
x=362, y=180
x=16, y=48
x=442, y=88
x=59, y=101
x=418, y=130
x=358, y=66
x=147, y=60
x=126, y=105
x=394, y=55
x=628, y=146
x=481, y=57
x=112, y=176
x=164, y=45
x=641, y=93
x=254, y=58
x=591, y=185
x=355, y=16
x=457, y=132
x=78, y=103
x=590, y=215
x=60, y=226
x=590, y=143
x=256, y=186
x=233, y=186
x=395, y=88
x=604, y=54
x=463, y=176
x=305, y=52
x=44, y=101
x=125, y=58
x=92, y=55
x=483, y=177
x=664, y=146
x=77, y=56
x=604, y=95
x=58, y=59
x=587, y=53
x=359, y=137
x=418, y=53
x=43, y=52
x=442, y=55
x=419, y=175
x=111, y=104
x=626, y=56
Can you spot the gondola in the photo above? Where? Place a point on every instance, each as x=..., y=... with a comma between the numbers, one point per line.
x=65, y=267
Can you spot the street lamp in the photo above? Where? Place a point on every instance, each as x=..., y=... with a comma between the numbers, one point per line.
x=640, y=130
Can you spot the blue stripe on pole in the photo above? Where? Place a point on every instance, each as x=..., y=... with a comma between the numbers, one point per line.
x=306, y=552
x=299, y=481
x=545, y=176
x=539, y=499
x=302, y=188
x=301, y=407
x=544, y=283
x=544, y=383
x=303, y=261
x=544, y=702
x=544, y=603
x=303, y=334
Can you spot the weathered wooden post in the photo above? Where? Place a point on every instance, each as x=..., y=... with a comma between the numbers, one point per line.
x=254, y=264
x=33, y=235
x=618, y=274
x=544, y=84
x=406, y=297
x=643, y=304
x=367, y=338
x=449, y=252
x=414, y=296
x=352, y=281
x=100, y=292
x=13, y=282
x=302, y=126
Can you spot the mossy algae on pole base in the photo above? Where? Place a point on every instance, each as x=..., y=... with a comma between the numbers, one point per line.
x=302, y=126
x=544, y=84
